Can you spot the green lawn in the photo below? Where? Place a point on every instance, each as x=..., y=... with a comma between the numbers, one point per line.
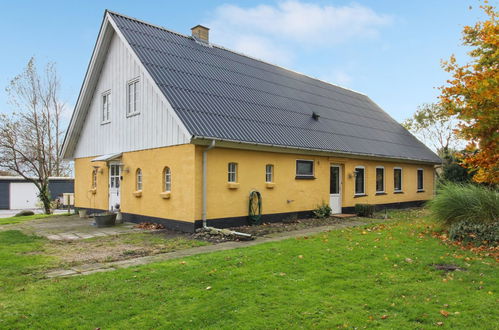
x=8, y=221
x=376, y=276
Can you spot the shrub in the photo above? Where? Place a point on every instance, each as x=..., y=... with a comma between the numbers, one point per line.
x=478, y=233
x=322, y=211
x=465, y=202
x=365, y=210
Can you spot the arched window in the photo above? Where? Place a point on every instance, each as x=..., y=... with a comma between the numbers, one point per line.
x=167, y=179
x=139, y=179
x=94, y=179
x=232, y=172
x=269, y=173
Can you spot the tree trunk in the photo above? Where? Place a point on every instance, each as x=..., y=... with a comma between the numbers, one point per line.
x=45, y=197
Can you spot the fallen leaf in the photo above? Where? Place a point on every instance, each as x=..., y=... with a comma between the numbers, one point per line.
x=444, y=313
x=384, y=317
x=183, y=262
x=300, y=256
x=408, y=260
x=440, y=324
x=208, y=288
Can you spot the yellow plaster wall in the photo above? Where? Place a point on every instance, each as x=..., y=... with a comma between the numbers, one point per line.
x=180, y=205
x=290, y=194
x=83, y=184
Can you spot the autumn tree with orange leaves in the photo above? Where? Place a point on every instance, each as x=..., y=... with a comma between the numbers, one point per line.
x=472, y=94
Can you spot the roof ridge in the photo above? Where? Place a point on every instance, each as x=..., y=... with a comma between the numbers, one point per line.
x=234, y=52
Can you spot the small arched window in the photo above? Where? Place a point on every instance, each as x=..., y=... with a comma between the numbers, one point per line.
x=232, y=172
x=139, y=179
x=269, y=173
x=94, y=179
x=167, y=179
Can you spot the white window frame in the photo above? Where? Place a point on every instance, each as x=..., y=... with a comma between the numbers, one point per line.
x=106, y=107
x=417, y=179
x=298, y=175
x=376, y=179
x=269, y=173
x=232, y=172
x=138, y=179
x=363, y=181
x=136, y=97
x=167, y=177
x=401, y=180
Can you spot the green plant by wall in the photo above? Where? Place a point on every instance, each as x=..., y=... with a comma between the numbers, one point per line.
x=465, y=202
x=365, y=210
x=477, y=233
x=322, y=211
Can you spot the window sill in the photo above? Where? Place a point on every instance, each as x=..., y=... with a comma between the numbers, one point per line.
x=270, y=185
x=93, y=191
x=304, y=177
x=165, y=194
x=359, y=195
x=232, y=185
x=420, y=191
x=398, y=192
x=380, y=193
x=133, y=114
x=137, y=193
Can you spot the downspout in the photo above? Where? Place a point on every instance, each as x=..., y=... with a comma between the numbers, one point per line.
x=205, y=158
x=205, y=195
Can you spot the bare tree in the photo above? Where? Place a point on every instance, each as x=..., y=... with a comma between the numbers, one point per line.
x=30, y=138
x=435, y=128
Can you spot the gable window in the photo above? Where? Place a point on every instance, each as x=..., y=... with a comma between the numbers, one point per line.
x=132, y=107
x=380, y=179
x=138, y=180
x=397, y=179
x=420, y=179
x=94, y=179
x=106, y=107
x=232, y=172
x=269, y=173
x=304, y=169
x=360, y=180
x=167, y=179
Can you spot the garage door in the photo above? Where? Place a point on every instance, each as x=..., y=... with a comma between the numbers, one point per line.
x=23, y=195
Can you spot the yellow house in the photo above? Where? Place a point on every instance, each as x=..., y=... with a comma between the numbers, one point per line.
x=173, y=129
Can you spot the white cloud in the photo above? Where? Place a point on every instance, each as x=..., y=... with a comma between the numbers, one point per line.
x=272, y=32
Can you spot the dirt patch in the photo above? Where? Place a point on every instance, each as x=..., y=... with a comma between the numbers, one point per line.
x=118, y=247
x=289, y=225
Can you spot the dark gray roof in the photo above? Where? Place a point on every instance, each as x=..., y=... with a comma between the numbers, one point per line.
x=218, y=93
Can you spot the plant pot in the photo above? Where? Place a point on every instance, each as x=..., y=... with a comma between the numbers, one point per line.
x=105, y=219
x=82, y=213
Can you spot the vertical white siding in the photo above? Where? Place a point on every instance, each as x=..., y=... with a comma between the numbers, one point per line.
x=154, y=127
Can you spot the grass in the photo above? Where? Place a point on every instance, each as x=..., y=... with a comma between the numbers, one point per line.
x=375, y=276
x=11, y=220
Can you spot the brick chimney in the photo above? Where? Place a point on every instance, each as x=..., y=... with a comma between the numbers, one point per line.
x=201, y=33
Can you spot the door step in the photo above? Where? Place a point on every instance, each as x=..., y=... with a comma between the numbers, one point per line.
x=344, y=215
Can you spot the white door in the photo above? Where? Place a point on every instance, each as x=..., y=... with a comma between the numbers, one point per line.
x=23, y=195
x=335, y=189
x=114, y=186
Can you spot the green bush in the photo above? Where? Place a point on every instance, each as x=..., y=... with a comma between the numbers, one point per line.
x=478, y=233
x=322, y=211
x=365, y=210
x=465, y=202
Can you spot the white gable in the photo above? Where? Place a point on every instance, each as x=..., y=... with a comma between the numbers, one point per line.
x=155, y=126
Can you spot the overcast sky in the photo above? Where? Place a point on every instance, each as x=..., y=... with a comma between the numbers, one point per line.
x=389, y=50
